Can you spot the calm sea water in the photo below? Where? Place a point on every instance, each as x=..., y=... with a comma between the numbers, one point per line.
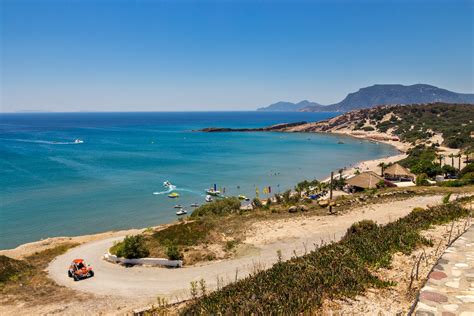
x=50, y=186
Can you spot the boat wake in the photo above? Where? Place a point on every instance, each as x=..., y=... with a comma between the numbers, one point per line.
x=173, y=188
x=48, y=142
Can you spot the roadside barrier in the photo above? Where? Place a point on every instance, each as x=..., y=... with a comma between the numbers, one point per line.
x=144, y=261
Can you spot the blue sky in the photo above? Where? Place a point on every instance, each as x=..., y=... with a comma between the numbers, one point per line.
x=228, y=55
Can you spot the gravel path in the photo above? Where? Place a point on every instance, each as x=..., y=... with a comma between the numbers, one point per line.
x=115, y=280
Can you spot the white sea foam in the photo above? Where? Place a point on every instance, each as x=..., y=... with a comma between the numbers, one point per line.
x=38, y=141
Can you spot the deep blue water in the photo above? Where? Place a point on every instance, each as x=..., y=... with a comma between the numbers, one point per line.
x=50, y=186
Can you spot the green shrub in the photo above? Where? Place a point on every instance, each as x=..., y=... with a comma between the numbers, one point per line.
x=218, y=207
x=468, y=169
x=368, y=128
x=184, y=234
x=468, y=177
x=422, y=179
x=173, y=253
x=360, y=227
x=447, y=169
x=132, y=247
x=257, y=203
x=446, y=198
x=230, y=244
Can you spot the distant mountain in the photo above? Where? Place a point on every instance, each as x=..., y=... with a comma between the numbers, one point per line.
x=289, y=106
x=385, y=94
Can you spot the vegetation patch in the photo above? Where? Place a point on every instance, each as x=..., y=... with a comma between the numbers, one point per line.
x=335, y=271
x=27, y=281
x=420, y=121
x=175, y=242
x=12, y=269
x=218, y=207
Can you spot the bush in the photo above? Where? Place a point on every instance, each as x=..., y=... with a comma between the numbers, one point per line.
x=467, y=169
x=184, y=234
x=360, y=227
x=218, y=207
x=132, y=247
x=257, y=203
x=422, y=179
x=368, y=128
x=173, y=252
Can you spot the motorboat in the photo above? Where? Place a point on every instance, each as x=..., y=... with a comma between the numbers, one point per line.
x=208, y=198
x=242, y=197
x=194, y=205
x=213, y=192
x=173, y=195
x=167, y=184
x=78, y=141
x=181, y=212
x=178, y=206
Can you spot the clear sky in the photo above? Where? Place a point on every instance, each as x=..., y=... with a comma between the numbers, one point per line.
x=111, y=55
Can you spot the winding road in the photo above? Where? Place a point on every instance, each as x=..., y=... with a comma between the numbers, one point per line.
x=288, y=236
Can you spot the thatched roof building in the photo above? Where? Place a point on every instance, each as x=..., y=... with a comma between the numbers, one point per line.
x=366, y=180
x=396, y=171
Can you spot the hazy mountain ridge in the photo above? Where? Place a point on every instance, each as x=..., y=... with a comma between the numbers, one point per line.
x=284, y=106
x=383, y=94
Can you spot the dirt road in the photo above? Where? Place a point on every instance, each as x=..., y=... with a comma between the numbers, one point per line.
x=266, y=239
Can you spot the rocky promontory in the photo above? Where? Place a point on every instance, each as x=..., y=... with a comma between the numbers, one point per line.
x=276, y=127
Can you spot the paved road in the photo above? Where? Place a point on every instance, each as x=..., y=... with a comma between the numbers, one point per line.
x=450, y=286
x=116, y=280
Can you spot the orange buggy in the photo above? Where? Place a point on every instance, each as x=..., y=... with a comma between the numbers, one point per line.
x=79, y=270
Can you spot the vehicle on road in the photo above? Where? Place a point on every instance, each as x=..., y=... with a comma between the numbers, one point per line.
x=79, y=270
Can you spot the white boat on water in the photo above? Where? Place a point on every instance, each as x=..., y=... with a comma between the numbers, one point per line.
x=194, y=205
x=213, y=192
x=208, y=198
x=167, y=184
x=78, y=141
x=178, y=206
x=181, y=212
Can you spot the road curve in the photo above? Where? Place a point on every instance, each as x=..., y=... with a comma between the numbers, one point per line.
x=115, y=280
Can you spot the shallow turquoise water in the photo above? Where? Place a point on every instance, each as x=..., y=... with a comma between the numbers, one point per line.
x=52, y=187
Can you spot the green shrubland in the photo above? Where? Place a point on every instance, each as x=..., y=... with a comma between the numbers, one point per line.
x=335, y=271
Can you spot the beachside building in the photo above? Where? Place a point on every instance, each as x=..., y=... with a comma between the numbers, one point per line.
x=366, y=180
x=398, y=173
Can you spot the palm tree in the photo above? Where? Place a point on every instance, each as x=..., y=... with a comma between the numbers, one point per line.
x=382, y=166
x=451, y=155
x=440, y=157
x=459, y=160
x=340, y=173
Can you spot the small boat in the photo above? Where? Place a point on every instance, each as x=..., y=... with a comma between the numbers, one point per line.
x=242, y=197
x=194, y=205
x=340, y=142
x=181, y=212
x=213, y=192
x=166, y=183
x=208, y=198
x=173, y=195
x=78, y=141
x=178, y=206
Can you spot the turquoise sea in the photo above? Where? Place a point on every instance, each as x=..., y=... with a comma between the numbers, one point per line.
x=50, y=186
